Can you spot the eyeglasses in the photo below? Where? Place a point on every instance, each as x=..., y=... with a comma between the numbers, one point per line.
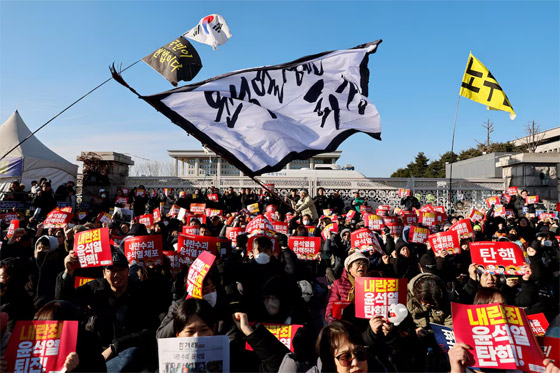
x=359, y=353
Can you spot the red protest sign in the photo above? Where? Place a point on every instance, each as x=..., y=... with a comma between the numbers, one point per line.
x=212, y=197
x=375, y=295
x=332, y=228
x=79, y=281
x=156, y=215
x=306, y=248
x=374, y=222
x=147, y=220
x=499, y=335
x=506, y=199
x=140, y=193
x=390, y=220
x=395, y=228
x=403, y=193
x=191, y=246
x=463, y=229
x=476, y=215
x=280, y=227
x=121, y=200
x=365, y=240
x=338, y=308
x=532, y=199
x=427, y=208
x=327, y=212
x=498, y=257
x=57, y=219
x=14, y=224
x=197, y=271
x=512, y=191
x=191, y=229
x=115, y=240
x=447, y=241
x=382, y=210
x=104, y=217
x=550, y=347
x=365, y=208
x=198, y=208
x=212, y=212
x=93, y=248
x=259, y=223
x=499, y=210
x=494, y=200
x=232, y=233
x=173, y=211
x=144, y=250
x=418, y=234
x=539, y=324
x=427, y=219
x=9, y=216
x=546, y=215
x=284, y=333
x=41, y=346
x=176, y=260
x=350, y=215
x=409, y=217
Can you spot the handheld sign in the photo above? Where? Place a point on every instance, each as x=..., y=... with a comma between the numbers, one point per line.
x=306, y=248
x=232, y=233
x=445, y=241
x=213, y=197
x=57, y=219
x=191, y=246
x=403, y=193
x=41, y=346
x=14, y=224
x=93, y=248
x=365, y=240
x=375, y=295
x=427, y=219
x=499, y=335
x=476, y=215
x=284, y=333
x=259, y=223
x=198, y=208
x=494, y=200
x=532, y=199
x=280, y=227
x=374, y=222
x=539, y=324
x=512, y=191
x=463, y=229
x=418, y=234
x=332, y=228
x=445, y=338
x=144, y=250
x=79, y=281
x=194, y=354
x=147, y=220
x=498, y=257
x=409, y=217
x=156, y=214
x=176, y=260
x=197, y=271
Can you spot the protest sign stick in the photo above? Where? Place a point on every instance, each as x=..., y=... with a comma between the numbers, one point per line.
x=452, y=146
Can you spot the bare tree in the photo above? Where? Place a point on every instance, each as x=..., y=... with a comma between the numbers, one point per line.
x=152, y=168
x=534, y=136
x=489, y=126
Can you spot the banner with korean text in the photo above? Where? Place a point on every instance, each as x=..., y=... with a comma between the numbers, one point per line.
x=306, y=248
x=498, y=257
x=191, y=246
x=57, y=219
x=374, y=295
x=93, y=248
x=418, y=234
x=445, y=241
x=194, y=354
x=365, y=240
x=144, y=250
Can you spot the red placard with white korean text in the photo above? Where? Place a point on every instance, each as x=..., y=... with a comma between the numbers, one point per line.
x=147, y=220
x=177, y=261
x=198, y=208
x=197, y=271
x=390, y=220
x=191, y=246
x=427, y=208
x=338, y=308
x=9, y=216
x=532, y=199
x=280, y=227
x=500, y=336
x=232, y=233
x=546, y=215
x=41, y=346
x=125, y=191
x=57, y=219
x=382, y=210
x=395, y=228
x=306, y=248
x=374, y=222
x=427, y=219
x=539, y=324
x=409, y=217
x=272, y=216
x=144, y=250
x=93, y=248
x=104, y=217
x=212, y=212
x=173, y=211
x=494, y=200
x=374, y=295
x=365, y=240
x=212, y=197
x=332, y=227
x=79, y=281
x=403, y=193
x=418, y=234
x=498, y=257
x=550, y=347
x=506, y=199
x=463, y=229
x=448, y=241
x=365, y=209
x=156, y=215
x=512, y=191
x=476, y=215
x=14, y=224
x=499, y=210
x=121, y=200
x=350, y=215
x=284, y=333
x=259, y=223
x=115, y=240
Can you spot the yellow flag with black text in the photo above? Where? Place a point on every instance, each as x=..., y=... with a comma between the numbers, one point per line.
x=480, y=85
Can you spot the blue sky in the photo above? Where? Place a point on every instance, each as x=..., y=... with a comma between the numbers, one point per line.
x=54, y=52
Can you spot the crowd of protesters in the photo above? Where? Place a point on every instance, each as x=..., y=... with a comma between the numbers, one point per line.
x=127, y=307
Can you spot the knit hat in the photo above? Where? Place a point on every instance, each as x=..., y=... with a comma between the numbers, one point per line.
x=428, y=263
x=356, y=255
x=344, y=231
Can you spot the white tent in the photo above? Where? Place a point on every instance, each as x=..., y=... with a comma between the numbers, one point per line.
x=31, y=160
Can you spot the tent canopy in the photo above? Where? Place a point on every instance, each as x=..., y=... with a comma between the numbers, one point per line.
x=38, y=160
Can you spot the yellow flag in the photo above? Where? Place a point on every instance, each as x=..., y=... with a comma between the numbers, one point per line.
x=479, y=85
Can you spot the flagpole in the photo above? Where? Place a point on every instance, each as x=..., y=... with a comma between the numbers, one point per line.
x=452, y=146
x=270, y=191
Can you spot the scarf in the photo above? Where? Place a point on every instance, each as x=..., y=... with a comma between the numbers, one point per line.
x=352, y=292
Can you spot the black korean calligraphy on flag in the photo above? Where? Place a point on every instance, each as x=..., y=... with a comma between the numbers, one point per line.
x=260, y=119
x=176, y=61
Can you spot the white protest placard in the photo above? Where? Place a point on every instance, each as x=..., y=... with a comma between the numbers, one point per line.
x=194, y=354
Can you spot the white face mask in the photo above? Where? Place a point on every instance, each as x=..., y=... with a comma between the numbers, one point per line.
x=547, y=243
x=211, y=298
x=166, y=223
x=103, y=195
x=262, y=258
x=306, y=222
x=272, y=306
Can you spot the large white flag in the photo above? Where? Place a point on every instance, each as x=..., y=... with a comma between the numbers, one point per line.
x=212, y=30
x=260, y=119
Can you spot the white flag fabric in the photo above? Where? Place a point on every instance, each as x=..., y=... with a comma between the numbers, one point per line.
x=212, y=30
x=260, y=119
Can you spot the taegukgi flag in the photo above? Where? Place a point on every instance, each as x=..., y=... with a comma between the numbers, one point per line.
x=480, y=85
x=212, y=30
x=260, y=119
